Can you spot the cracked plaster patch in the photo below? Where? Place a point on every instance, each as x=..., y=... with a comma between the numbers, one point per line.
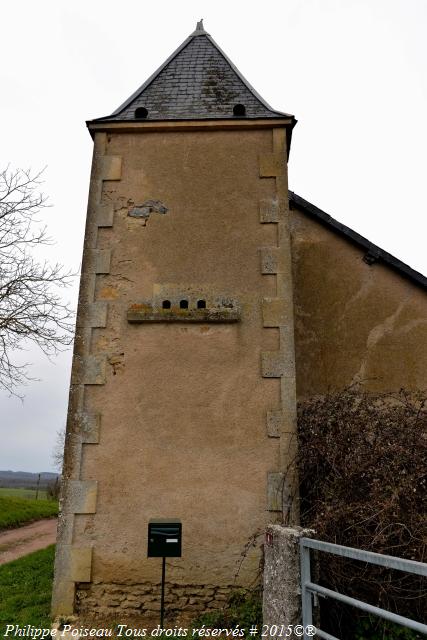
x=144, y=210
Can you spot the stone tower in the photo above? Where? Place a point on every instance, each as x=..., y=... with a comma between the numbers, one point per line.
x=182, y=398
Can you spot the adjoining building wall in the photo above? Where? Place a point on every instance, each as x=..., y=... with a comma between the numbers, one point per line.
x=354, y=322
x=178, y=419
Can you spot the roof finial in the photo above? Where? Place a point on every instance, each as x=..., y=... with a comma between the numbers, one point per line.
x=200, y=31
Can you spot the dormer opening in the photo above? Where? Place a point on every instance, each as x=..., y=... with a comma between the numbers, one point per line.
x=141, y=113
x=239, y=110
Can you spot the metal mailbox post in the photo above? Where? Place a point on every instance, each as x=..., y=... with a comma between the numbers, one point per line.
x=164, y=541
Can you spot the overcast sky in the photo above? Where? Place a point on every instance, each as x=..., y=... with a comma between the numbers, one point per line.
x=352, y=71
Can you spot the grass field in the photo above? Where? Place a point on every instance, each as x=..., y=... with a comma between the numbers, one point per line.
x=25, y=590
x=23, y=493
x=17, y=511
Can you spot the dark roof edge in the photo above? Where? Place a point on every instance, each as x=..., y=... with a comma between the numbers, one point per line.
x=373, y=252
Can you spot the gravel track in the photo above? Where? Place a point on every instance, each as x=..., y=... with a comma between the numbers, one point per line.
x=15, y=543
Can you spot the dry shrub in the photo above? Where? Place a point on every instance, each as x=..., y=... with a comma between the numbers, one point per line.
x=362, y=461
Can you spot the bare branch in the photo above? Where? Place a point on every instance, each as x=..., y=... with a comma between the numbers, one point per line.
x=31, y=305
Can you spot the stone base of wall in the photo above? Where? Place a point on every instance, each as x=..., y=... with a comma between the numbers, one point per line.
x=130, y=600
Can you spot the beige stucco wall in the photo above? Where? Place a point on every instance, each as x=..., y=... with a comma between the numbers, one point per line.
x=183, y=419
x=353, y=322
x=181, y=409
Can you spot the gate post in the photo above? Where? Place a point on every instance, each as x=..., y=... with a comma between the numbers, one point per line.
x=282, y=575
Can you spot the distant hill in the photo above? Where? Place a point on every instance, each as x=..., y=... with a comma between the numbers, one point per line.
x=25, y=480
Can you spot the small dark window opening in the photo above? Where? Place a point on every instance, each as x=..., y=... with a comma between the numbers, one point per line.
x=183, y=304
x=166, y=304
x=141, y=112
x=239, y=110
x=201, y=304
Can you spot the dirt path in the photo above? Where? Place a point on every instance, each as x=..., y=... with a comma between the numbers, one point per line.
x=31, y=537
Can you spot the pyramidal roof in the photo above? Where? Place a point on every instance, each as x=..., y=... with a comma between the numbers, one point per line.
x=196, y=82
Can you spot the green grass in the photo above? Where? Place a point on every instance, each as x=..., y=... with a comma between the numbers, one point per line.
x=241, y=608
x=23, y=493
x=17, y=511
x=25, y=590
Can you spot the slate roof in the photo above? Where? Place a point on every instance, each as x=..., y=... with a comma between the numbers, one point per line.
x=196, y=82
x=373, y=253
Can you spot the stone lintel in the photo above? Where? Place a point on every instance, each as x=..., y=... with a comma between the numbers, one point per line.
x=81, y=496
x=271, y=165
x=272, y=364
x=274, y=490
x=145, y=312
x=89, y=370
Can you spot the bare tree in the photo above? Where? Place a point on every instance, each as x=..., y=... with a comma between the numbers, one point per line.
x=31, y=307
x=58, y=449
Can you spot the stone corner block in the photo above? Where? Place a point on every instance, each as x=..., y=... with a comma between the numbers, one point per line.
x=275, y=481
x=272, y=364
x=93, y=315
x=110, y=167
x=275, y=312
x=271, y=165
x=269, y=211
x=98, y=261
x=87, y=426
x=80, y=564
x=63, y=594
x=103, y=261
x=269, y=260
x=89, y=370
x=81, y=496
x=275, y=422
x=104, y=215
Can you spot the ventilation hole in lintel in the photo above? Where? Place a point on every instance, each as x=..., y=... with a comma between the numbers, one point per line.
x=239, y=110
x=140, y=113
x=166, y=304
x=201, y=304
x=183, y=304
